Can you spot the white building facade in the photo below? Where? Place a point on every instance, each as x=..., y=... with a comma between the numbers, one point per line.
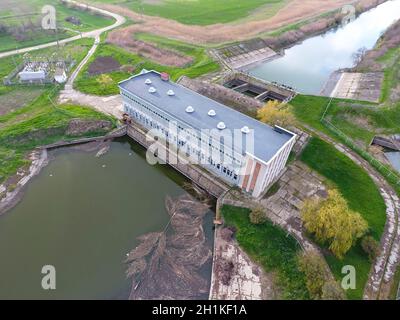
x=238, y=149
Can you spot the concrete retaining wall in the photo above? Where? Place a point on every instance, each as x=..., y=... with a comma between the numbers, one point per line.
x=220, y=93
x=120, y=132
x=258, y=82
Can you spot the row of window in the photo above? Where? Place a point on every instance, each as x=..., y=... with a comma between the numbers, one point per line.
x=189, y=150
x=146, y=107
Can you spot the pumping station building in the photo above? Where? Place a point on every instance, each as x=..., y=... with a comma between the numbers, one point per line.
x=238, y=149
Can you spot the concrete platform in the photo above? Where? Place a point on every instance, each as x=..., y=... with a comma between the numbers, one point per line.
x=355, y=86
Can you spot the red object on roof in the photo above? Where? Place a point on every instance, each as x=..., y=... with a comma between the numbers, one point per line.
x=164, y=76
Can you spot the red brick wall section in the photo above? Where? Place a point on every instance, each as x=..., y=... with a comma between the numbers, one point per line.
x=247, y=174
x=255, y=176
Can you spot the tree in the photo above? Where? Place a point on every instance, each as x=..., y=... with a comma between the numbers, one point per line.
x=359, y=55
x=257, y=216
x=370, y=247
x=332, y=221
x=104, y=80
x=276, y=113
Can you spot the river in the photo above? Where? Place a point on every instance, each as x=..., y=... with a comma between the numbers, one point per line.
x=82, y=214
x=308, y=65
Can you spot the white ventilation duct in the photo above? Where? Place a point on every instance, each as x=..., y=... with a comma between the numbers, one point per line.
x=212, y=113
x=152, y=90
x=189, y=109
x=245, y=129
x=148, y=81
x=170, y=93
x=221, y=125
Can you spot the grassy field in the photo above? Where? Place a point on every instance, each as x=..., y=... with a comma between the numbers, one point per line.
x=359, y=120
x=18, y=97
x=27, y=117
x=204, y=12
x=362, y=196
x=202, y=64
x=392, y=73
x=272, y=248
x=37, y=36
x=36, y=124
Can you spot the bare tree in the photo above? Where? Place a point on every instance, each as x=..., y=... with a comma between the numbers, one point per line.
x=359, y=55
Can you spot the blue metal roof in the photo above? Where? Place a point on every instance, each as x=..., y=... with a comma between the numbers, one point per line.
x=267, y=140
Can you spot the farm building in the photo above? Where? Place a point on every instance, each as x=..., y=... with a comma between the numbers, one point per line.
x=238, y=149
x=60, y=76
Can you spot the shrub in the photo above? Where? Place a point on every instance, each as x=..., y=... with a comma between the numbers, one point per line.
x=318, y=278
x=332, y=291
x=257, y=216
x=313, y=266
x=370, y=247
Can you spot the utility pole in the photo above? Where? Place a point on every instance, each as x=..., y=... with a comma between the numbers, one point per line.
x=13, y=56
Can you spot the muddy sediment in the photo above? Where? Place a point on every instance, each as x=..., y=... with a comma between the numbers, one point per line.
x=11, y=191
x=167, y=265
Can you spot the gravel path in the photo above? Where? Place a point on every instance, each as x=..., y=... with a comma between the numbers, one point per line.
x=119, y=20
x=111, y=105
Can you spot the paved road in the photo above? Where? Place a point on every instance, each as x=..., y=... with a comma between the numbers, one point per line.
x=119, y=20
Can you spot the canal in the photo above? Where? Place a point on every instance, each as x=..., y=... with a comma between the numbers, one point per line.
x=308, y=65
x=82, y=214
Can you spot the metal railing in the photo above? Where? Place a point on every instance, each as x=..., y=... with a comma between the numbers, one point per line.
x=388, y=173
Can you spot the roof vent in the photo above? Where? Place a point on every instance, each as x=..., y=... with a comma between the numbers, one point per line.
x=245, y=129
x=152, y=90
x=148, y=81
x=221, y=125
x=170, y=93
x=212, y=113
x=189, y=109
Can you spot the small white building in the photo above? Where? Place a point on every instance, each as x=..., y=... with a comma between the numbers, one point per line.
x=60, y=76
x=32, y=76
